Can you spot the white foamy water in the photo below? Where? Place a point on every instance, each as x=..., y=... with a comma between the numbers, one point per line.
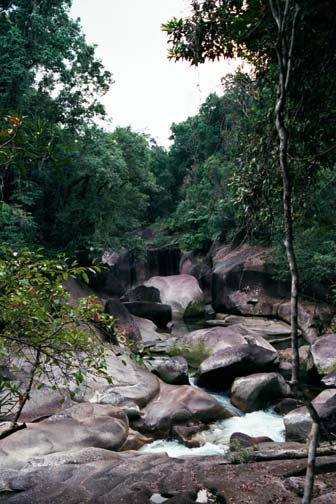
x=215, y=441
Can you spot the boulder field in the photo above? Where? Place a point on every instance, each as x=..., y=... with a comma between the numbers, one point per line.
x=80, y=443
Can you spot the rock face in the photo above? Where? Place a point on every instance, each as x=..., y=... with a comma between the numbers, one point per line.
x=125, y=270
x=173, y=370
x=97, y=476
x=178, y=291
x=178, y=404
x=221, y=368
x=81, y=426
x=160, y=314
x=242, y=284
x=298, y=422
x=253, y=392
x=133, y=386
x=323, y=353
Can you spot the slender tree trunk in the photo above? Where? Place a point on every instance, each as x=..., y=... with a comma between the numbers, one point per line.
x=284, y=56
x=284, y=50
x=29, y=387
x=310, y=474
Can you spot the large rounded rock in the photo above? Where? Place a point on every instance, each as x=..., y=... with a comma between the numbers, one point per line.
x=298, y=422
x=181, y=292
x=81, y=426
x=173, y=370
x=323, y=353
x=178, y=404
x=221, y=368
x=253, y=392
x=132, y=385
x=220, y=338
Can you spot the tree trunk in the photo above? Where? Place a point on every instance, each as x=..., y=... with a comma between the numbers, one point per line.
x=310, y=475
x=284, y=50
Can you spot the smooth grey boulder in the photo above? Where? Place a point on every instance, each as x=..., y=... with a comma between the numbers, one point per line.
x=221, y=368
x=160, y=314
x=81, y=426
x=175, y=405
x=178, y=291
x=220, y=338
x=132, y=386
x=298, y=422
x=173, y=370
x=323, y=353
x=43, y=402
x=254, y=392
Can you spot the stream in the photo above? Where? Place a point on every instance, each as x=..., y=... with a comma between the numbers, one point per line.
x=215, y=440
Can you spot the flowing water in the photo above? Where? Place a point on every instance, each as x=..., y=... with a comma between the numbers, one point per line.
x=215, y=440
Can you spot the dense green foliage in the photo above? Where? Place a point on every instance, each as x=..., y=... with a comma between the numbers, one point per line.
x=224, y=29
x=70, y=185
x=40, y=330
x=66, y=183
